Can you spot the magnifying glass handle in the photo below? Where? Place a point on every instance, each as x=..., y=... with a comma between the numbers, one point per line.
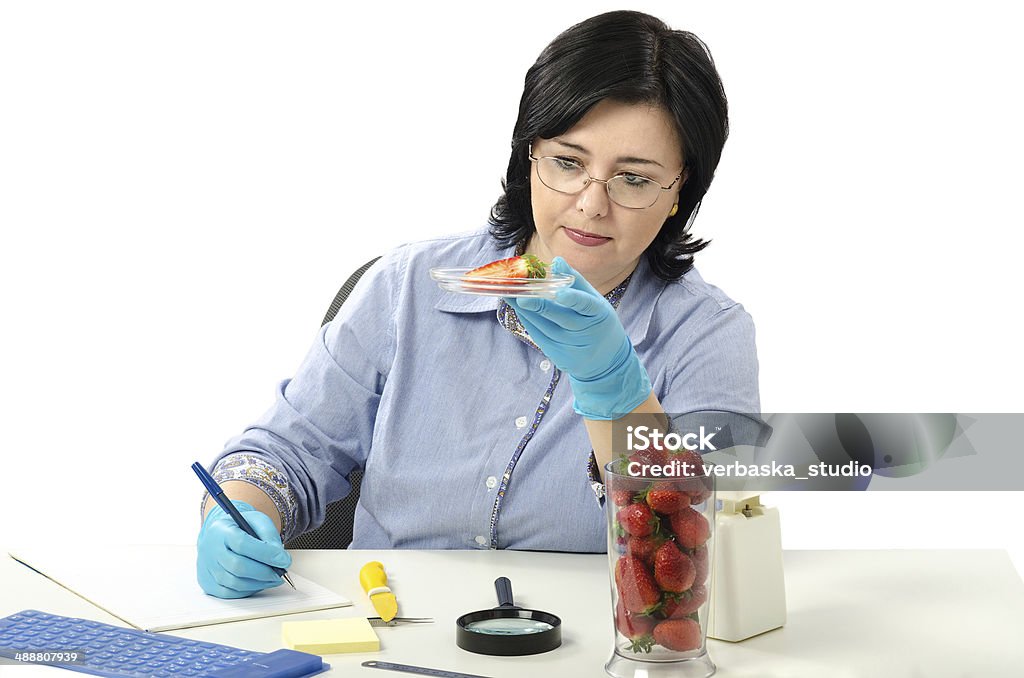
x=503, y=587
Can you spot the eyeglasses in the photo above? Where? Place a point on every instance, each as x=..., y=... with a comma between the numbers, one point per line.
x=628, y=189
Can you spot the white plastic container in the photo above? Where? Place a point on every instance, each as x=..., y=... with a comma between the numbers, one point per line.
x=748, y=592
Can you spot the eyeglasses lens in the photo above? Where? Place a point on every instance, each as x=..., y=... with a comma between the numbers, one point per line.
x=628, y=190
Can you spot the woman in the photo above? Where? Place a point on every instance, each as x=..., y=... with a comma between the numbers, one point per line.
x=482, y=422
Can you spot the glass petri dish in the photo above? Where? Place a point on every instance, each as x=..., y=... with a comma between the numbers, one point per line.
x=455, y=280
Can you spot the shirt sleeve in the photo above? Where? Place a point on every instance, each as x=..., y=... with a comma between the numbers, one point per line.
x=716, y=368
x=320, y=426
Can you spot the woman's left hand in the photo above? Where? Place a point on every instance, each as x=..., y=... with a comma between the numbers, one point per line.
x=581, y=333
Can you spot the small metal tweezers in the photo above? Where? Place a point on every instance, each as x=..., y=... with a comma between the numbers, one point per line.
x=377, y=621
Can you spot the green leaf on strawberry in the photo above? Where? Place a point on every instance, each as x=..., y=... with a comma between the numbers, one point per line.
x=642, y=644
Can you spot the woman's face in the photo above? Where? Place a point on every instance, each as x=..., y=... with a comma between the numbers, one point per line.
x=599, y=238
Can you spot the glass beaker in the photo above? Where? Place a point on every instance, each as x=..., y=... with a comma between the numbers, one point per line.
x=661, y=519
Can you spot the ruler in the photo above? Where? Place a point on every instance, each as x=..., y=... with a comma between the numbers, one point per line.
x=440, y=673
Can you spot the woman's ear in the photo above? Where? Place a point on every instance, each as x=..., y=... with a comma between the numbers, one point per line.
x=679, y=189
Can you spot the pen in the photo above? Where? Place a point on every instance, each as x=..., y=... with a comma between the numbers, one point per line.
x=218, y=496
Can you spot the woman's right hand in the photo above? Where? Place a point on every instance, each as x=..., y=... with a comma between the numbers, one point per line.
x=232, y=564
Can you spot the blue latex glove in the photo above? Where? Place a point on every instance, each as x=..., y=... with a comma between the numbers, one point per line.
x=232, y=564
x=581, y=333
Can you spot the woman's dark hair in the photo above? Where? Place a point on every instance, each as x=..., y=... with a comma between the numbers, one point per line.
x=633, y=58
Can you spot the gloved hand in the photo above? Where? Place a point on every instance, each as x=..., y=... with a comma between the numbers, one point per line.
x=581, y=333
x=232, y=564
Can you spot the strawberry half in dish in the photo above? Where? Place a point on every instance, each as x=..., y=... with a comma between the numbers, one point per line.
x=526, y=266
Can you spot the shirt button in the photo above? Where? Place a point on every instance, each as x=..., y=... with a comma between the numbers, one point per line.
x=492, y=482
x=480, y=539
x=520, y=422
x=545, y=365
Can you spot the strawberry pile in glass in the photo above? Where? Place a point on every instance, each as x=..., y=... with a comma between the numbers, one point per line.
x=659, y=530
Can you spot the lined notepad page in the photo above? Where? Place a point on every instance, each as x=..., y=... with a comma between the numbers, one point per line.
x=154, y=588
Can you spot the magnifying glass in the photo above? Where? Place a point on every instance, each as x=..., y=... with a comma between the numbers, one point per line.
x=508, y=630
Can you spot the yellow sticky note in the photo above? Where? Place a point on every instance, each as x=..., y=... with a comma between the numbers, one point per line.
x=330, y=636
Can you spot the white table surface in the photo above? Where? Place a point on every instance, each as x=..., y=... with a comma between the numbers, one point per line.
x=851, y=613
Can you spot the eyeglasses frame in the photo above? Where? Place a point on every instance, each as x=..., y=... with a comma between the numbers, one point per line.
x=591, y=179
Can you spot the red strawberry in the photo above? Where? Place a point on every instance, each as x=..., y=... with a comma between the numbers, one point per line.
x=699, y=556
x=696, y=483
x=679, y=605
x=638, y=520
x=673, y=569
x=687, y=603
x=678, y=634
x=636, y=586
x=526, y=266
x=652, y=455
x=621, y=497
x=633, y=626
x=698, y=491
x=644, y=547
x=669, y=605
x=694, y=464
x=667, y=501
x=691, y=528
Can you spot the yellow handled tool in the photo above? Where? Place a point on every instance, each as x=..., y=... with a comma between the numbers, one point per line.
x=375, y=582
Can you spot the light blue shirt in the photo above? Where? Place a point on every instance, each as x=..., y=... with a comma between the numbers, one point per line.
x=465, y=431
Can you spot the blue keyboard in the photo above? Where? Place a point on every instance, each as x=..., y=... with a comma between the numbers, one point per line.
x=105, y=650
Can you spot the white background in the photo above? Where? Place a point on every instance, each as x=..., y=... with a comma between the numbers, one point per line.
x=183, y=187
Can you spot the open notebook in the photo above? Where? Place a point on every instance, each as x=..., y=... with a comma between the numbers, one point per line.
x=154, y=588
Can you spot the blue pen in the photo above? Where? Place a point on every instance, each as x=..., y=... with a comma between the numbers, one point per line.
x=218, y=496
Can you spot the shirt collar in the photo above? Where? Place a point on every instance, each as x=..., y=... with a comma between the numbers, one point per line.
x=636, y=308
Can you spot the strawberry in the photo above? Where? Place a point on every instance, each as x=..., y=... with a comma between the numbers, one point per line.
x=670, y=605
x=698, y=491
x=644, y=547
x=699, y=556
x=667, y=501
x=673, y=569
x=677, y=606
x=678, y=634
x=652, y=455
x=691, y=528
x=694, y=464
x=636, y=586
x=621, y=497
x=696, y=483
x=526, y=266
x=638, y=520
x=636, y=627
